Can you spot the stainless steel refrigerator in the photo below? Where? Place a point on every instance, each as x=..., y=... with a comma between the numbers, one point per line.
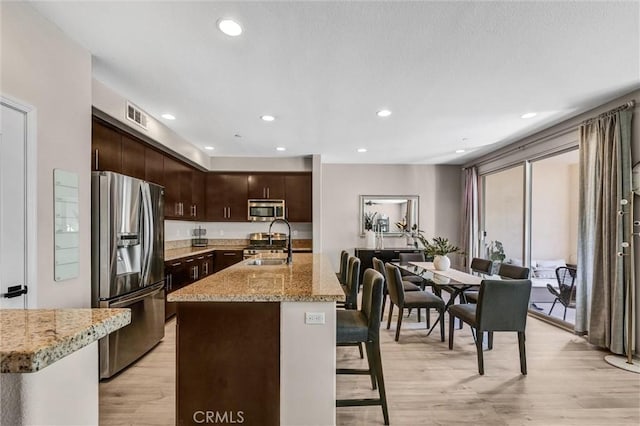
x=127, y=264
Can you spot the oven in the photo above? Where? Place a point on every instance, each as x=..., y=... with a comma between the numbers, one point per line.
x=259, y=244
x=265, y=210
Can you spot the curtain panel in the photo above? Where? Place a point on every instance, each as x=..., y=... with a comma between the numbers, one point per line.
x=469, y=231
x=605, y=179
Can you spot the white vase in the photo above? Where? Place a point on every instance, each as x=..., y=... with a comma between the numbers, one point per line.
x=441, y=263
x=370, y=239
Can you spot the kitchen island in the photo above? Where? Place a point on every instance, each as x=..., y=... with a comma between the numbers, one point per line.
x=256, y=344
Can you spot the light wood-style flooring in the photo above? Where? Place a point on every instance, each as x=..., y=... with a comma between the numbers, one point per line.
x=568, y=382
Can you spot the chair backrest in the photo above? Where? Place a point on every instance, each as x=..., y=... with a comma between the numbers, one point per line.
x=513, y=272
x=378, y=265
x=353, y=282
x=411, y=257
x=566, y=277
x=503, y=305
x=344, y=265
x=372, y=300
x=481, y=266
x=394, y=284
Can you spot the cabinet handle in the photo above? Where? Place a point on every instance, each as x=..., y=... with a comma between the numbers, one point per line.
x=206, y=268
x=229, y=212
x=189, y=260
x=194, y=272
x=201, y=257
x=181, y=208
x=268, y=195
x=96, y=160
x=176, y=264
x=229, y=254
x=195, y=210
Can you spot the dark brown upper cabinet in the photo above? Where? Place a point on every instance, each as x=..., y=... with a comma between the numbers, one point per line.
x=198, y=204
x=266, y=186
x=298, y=197
x=133, y=158
x=226, y=197
x=106, y=147
x=153, y=166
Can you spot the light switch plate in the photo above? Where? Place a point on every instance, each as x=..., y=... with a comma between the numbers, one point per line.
x=314, y=317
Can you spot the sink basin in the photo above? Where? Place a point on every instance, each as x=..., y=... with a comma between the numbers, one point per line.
x=265, y=262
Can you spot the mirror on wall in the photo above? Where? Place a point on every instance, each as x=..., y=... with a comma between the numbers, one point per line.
x=385, y=212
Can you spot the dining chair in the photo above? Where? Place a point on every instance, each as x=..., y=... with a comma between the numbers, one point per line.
x=412, y=299
x=482, y=268
x=412, y=257
x=378, y=265
x=363, y=326
x=502, y=306
x=566, y=291
x=507, y=271
x=351, y=293
x=342, y=275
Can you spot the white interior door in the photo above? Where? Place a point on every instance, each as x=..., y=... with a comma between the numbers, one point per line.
x=13, y=235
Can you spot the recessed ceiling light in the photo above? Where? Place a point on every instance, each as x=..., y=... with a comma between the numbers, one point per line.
x=459, y=151
x=267, y=117
x=281, y=148
x=209, y=148
x=362, y=149
x=230, y=27
x=168, y=116
x=383, y=113
x=528, y=115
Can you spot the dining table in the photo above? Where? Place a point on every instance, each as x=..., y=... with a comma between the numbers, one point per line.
x=454, y=281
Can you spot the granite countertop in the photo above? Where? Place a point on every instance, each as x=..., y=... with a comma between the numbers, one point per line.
x=32, y=339
x=178, y=253
x=309, y=279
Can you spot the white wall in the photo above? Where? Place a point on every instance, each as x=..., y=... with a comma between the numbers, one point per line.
x=112, y=103
x=342, y=184
x=43, y=68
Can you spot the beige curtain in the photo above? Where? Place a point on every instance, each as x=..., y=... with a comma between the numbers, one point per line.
x=605, y=179
x=469, y=229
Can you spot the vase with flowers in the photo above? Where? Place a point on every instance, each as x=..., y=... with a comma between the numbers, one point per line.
x=438, y=248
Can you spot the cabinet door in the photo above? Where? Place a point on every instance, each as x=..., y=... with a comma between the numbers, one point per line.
x=226, y=258
x=197, y=209
x=298, y=203
x=172, y=178
x=106, y=148
x=133, y=157
x=153, y=166
x=268, y=185
x=236, y=197
x=176, y=276
x=207, y=265
x=226, y=197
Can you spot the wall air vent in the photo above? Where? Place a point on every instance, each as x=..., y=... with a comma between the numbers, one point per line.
x=136, y=115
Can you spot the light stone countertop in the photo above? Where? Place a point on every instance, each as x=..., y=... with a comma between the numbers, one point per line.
x=32, y=339
x=309, y=279
x=178, y=253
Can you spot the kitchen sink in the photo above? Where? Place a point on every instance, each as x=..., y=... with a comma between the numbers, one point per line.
x=265, y=262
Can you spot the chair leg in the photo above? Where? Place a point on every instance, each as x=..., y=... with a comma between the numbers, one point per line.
x=384, y=303
x=372, y=366
x=377, y=362
x=452, y=320
x=564, y=317
x=419, y=320
x=360, y=350
x=552, y=305
x=390, y=314
x=428, y=320
x=523, y=353
x=480, y=335
x=490, y=340
x=399, y=322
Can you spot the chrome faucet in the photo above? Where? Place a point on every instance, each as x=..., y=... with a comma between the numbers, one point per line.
x=289, y=252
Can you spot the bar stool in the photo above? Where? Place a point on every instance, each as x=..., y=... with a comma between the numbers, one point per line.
x=342, y=274
x=363, y=326
x=351, y=293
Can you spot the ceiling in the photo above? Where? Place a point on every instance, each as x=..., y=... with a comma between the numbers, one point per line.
x=456, y=75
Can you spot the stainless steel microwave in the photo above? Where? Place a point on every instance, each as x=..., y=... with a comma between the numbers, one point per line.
x=265, y=210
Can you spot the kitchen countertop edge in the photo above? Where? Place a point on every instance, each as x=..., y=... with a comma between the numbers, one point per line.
x=44, y=350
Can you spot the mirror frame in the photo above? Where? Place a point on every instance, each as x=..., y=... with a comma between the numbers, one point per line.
x=364, y=198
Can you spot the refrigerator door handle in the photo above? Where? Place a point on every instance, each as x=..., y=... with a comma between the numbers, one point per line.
x=147, y=218
x=140, y=295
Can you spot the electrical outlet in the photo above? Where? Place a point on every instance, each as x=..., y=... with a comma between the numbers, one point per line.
x=314, y=317
x=221, y=232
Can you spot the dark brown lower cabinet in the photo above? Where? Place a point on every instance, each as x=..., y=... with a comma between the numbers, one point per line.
x=228, y=363
x=226, y=258
x=366, y=256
